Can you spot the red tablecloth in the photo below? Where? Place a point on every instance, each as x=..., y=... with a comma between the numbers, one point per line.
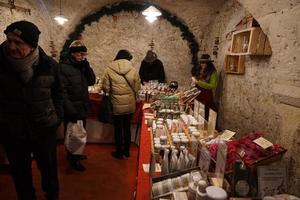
x=143, y=179
x=95, y=100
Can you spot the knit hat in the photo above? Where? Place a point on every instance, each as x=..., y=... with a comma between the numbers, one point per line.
x=77, y=46
x=205, y=58
x=25, y=30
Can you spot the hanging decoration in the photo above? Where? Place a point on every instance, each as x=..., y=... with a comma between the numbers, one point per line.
x=151, y=44
x=129, y=6
x=53, y=49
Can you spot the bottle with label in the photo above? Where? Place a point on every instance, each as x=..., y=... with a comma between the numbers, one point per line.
x=241, y=183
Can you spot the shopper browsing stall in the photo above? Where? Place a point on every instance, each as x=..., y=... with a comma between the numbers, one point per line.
x=152, y=68
x=205, y=78
x=31, y=98
x=122, y=82
x=77, y=75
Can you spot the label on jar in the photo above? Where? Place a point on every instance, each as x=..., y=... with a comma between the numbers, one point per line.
x=242, y=188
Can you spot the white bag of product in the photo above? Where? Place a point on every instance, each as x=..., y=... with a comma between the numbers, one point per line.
x=75, y=137
x=165, y=163
x=193, y=162
x=186, y=159
x=173, y=161
x=180, y=161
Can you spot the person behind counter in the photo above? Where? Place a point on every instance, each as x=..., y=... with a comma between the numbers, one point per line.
x=31, y=109
x=151, y=68
x=205, y=78
x=122, y=81
x=77, y=75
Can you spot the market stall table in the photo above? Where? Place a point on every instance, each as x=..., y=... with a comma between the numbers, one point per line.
x=143, y=179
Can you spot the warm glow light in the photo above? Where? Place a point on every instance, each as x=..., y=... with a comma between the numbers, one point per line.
x=151, y=14
x=60, y=19
x=151, y=19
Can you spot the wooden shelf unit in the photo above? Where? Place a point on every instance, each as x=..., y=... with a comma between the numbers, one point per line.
x=250, y=41
x=235, y=64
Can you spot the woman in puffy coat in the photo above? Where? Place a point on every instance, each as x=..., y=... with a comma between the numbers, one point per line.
x=122, y=82
x=77, y=75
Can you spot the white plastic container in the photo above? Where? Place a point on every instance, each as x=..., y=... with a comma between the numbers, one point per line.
x=215, y=193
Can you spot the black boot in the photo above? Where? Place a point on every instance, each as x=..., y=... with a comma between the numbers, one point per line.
x=75, y=156
x=117, y=155
x=76, y=165
x=126, y=154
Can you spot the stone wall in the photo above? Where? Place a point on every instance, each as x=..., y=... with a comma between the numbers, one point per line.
x=267, y=96
x=131, y=31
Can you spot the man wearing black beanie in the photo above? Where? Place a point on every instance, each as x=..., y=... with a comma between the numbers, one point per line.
x=31, y=109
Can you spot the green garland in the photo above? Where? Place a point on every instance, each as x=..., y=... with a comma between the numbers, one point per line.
x=129, y=6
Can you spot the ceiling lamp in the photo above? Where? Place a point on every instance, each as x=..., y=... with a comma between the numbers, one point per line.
x=60, y=19
x=151, y=14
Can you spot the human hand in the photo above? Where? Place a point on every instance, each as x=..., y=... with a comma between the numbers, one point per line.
x=194, y=80
x=84, y=63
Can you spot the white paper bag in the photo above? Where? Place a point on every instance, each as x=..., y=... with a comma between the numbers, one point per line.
x=75, y=137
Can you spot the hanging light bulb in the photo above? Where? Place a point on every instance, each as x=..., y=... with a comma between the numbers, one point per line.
x=60, y=19
x=151, y=14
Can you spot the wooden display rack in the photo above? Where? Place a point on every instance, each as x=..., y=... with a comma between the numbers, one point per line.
x=234, y=64
x=250, y=41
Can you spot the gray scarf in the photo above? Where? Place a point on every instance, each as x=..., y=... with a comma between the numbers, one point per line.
x=24, y=66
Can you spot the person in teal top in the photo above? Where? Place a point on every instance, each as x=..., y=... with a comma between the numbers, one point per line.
x=205, y=78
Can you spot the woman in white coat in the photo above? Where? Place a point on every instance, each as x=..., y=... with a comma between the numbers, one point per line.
x=122, y=82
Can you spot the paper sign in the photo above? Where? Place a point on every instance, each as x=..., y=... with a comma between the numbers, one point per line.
x=196, y=108
x=263, y=142
x=221, y=162
x=201, y=110
x=212, y=119
x=227, y=134
x=204, y=162
x=272, y=180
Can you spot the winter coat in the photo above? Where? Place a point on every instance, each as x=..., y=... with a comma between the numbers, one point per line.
x=76, y=79
x=152, y=71
x=34, y=105
x=123, y=96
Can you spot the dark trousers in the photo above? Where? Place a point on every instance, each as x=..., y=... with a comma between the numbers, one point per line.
x=19, y=153
x=122, y=132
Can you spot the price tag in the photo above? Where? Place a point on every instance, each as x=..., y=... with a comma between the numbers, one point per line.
x=227, y=134
x=263, y=142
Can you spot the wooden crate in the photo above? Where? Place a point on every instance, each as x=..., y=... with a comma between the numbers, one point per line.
x=234, y=64
x=250, y=41
x=247, y=22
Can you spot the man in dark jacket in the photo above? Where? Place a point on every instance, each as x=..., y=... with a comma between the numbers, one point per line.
x=77, y=76
x=31, y=97
x=151, y=68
